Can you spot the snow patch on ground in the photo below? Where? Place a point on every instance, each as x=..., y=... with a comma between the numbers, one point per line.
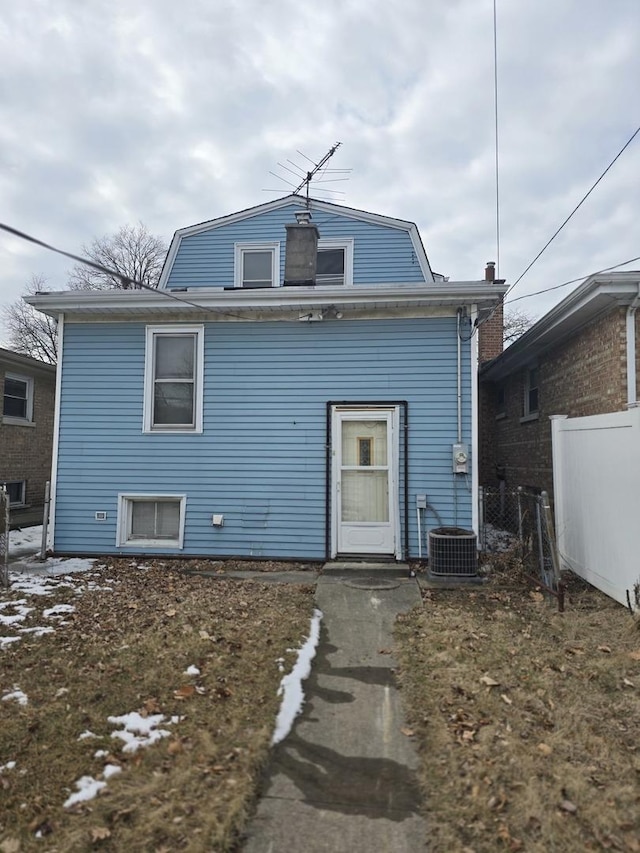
x=138, y=731
x=291, y=685
x=497, y=540
x=86, y=789
x=192, y=670
x=17, y=694
x=58, y=610
x=25, y=541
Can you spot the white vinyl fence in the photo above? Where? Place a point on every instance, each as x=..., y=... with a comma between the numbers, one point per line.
x=596, y=477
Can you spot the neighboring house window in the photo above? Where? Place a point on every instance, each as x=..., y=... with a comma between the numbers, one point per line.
x=335, y=262
x=173, y=379
x=501, y=401
x=151, y=521
x=16, y=492
x=17, y=403
x=531, y=392
x=257, y=265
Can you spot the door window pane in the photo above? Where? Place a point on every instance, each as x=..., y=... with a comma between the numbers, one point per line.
x=355, y=433
x=365, y=496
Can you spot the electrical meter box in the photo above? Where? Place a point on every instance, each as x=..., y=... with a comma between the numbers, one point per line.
x=460, y=459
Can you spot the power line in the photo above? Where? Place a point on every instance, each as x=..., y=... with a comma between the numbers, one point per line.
x=573, y=280
x=124, y=279
x=575, y=209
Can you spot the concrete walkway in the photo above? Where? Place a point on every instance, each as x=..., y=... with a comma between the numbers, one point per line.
x=344, y=778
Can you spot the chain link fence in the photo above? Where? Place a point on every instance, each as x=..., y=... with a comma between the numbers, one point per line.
x=520, y=521
x=4, y=537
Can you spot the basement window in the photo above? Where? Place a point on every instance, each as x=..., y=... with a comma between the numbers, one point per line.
x=16, y=491
x=257, y=265
x=151, y=521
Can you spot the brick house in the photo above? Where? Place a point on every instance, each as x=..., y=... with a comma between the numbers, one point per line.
x=581, y=358
x=26, y=427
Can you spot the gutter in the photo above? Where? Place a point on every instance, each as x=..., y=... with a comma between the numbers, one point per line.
x=632, y=387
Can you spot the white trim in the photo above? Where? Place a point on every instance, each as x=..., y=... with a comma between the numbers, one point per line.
x=475, y=453
x=124, y=515
x=56, y=438
x=345, y=243
x=241, y=247
x=136, y=303
x=28, y=381
x=147, y=414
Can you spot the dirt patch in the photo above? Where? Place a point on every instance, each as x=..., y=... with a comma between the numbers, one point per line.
x=526, y=719
x=206, y=656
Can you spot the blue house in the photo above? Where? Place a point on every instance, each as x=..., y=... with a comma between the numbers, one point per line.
x=301, y=385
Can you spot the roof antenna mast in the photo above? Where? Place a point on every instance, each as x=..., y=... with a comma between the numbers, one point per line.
x=315, y=170
x=319, y=174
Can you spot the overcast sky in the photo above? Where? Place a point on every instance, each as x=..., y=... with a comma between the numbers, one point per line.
x=174, y=113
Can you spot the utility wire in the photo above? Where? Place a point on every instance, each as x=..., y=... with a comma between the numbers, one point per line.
x=573, y=280
x=126, y=280
x=582, y=200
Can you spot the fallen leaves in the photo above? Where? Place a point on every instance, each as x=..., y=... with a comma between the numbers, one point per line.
x=489, y=682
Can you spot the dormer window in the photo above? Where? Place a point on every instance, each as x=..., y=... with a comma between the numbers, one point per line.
x=257, y=265
x=335, y=263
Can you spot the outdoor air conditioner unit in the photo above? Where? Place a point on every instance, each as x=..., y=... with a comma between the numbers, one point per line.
x=453, y=551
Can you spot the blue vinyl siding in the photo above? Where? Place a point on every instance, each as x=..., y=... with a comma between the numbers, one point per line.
x=261, y=460
x=381, y=254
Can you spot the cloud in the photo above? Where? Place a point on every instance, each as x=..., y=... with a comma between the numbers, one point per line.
x=174, y=113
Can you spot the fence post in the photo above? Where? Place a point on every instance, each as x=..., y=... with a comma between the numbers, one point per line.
x=559, y=497
x=546, y=508
x=520, y=530
x=45, y=521
x=540, y=541
x=481, y=517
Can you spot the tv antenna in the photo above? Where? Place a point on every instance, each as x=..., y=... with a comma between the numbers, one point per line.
x=319, y=174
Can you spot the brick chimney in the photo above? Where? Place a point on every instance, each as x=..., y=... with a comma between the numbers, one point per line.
x=301, y=253
x=490, y=332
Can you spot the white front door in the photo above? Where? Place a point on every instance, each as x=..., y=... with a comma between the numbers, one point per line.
x=365, y=504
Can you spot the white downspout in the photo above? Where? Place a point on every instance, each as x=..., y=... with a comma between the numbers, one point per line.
x=632, y=392
x=459, y=379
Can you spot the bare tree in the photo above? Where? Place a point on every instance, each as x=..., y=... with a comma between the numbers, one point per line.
x=516, y=323
x=30, y=332
x=132, y=251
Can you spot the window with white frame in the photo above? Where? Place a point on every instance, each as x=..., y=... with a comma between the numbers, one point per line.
x=17, y=403
x=173, y=379
x=151, y=521
x=335, y=262
x=531, y=392
x=16, y=492
x=257, y=265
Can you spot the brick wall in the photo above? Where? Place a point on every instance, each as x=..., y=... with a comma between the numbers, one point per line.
x=490, y=336
x=25, y=451
x=584, y=376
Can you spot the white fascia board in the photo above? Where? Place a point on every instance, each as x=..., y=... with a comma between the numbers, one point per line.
x=325, y=206
x=102, y=305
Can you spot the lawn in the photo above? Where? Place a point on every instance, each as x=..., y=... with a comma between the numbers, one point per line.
x=137, y=705
x=527, y=721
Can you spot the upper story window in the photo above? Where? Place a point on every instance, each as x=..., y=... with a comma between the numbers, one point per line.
x=173, y=379
x=501, y=400
x=335, y=262
x=531, y=392
x=257, y=265
x=17, y=405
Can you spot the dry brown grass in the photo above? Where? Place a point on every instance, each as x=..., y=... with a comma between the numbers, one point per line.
x=127, y=649
x=527, y=720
